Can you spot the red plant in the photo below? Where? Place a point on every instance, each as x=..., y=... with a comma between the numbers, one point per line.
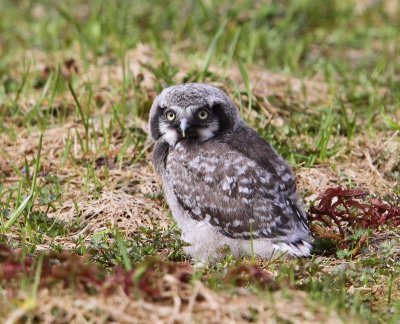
x=147, y=277
x=74, y=271
x=247, y=273
x=348, y=209
x=12, y=266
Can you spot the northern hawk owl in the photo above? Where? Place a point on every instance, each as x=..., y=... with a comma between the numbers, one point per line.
x=225, y=185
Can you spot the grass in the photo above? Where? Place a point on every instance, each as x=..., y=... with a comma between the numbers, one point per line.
x=319, y=80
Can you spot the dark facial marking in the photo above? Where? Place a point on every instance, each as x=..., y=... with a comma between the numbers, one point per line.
x=154, y=123
x=225, y=124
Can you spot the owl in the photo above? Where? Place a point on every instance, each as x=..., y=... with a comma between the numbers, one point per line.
x=227, y=188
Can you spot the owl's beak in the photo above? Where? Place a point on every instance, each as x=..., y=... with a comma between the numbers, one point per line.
x=184, y=126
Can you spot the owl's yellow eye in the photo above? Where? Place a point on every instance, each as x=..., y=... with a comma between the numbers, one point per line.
x=202, y=114
x=170, y=115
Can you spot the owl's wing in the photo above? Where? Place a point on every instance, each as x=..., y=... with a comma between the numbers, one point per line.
x=235, y=192
x=267, y=158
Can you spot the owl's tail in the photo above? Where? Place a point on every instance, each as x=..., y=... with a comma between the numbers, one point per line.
x=300, y=248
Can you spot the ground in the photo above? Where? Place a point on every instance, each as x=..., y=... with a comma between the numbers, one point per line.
x=86, y=235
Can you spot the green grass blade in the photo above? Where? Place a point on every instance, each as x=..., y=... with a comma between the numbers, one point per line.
x=37, y=164
x=252, y=243
x=391, y=123
x=231, y=50
x=23, y=83
x=123, y=251
x=212, y=49
x=85, y=119
x=15, y=215
x=25, y=203
x=38, y=273
x=246, y=80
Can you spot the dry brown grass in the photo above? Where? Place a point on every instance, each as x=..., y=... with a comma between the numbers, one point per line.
x=179, y=305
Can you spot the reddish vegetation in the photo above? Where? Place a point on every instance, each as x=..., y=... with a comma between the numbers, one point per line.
x=347, y=209
x=248, y=273
x=74, y=271
x=146, y=279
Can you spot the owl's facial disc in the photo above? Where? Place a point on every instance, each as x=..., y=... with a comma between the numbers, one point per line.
x=193, y=123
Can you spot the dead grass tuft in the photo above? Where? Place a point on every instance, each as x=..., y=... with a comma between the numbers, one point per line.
x=112, y=209
x=364, y=163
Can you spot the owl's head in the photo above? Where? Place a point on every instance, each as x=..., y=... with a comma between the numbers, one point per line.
x=192, y=111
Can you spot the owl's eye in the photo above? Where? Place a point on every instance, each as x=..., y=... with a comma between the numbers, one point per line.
x=170, y=115
x=202, y=114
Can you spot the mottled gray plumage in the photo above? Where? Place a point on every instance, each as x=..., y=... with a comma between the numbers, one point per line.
x=225, y=185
